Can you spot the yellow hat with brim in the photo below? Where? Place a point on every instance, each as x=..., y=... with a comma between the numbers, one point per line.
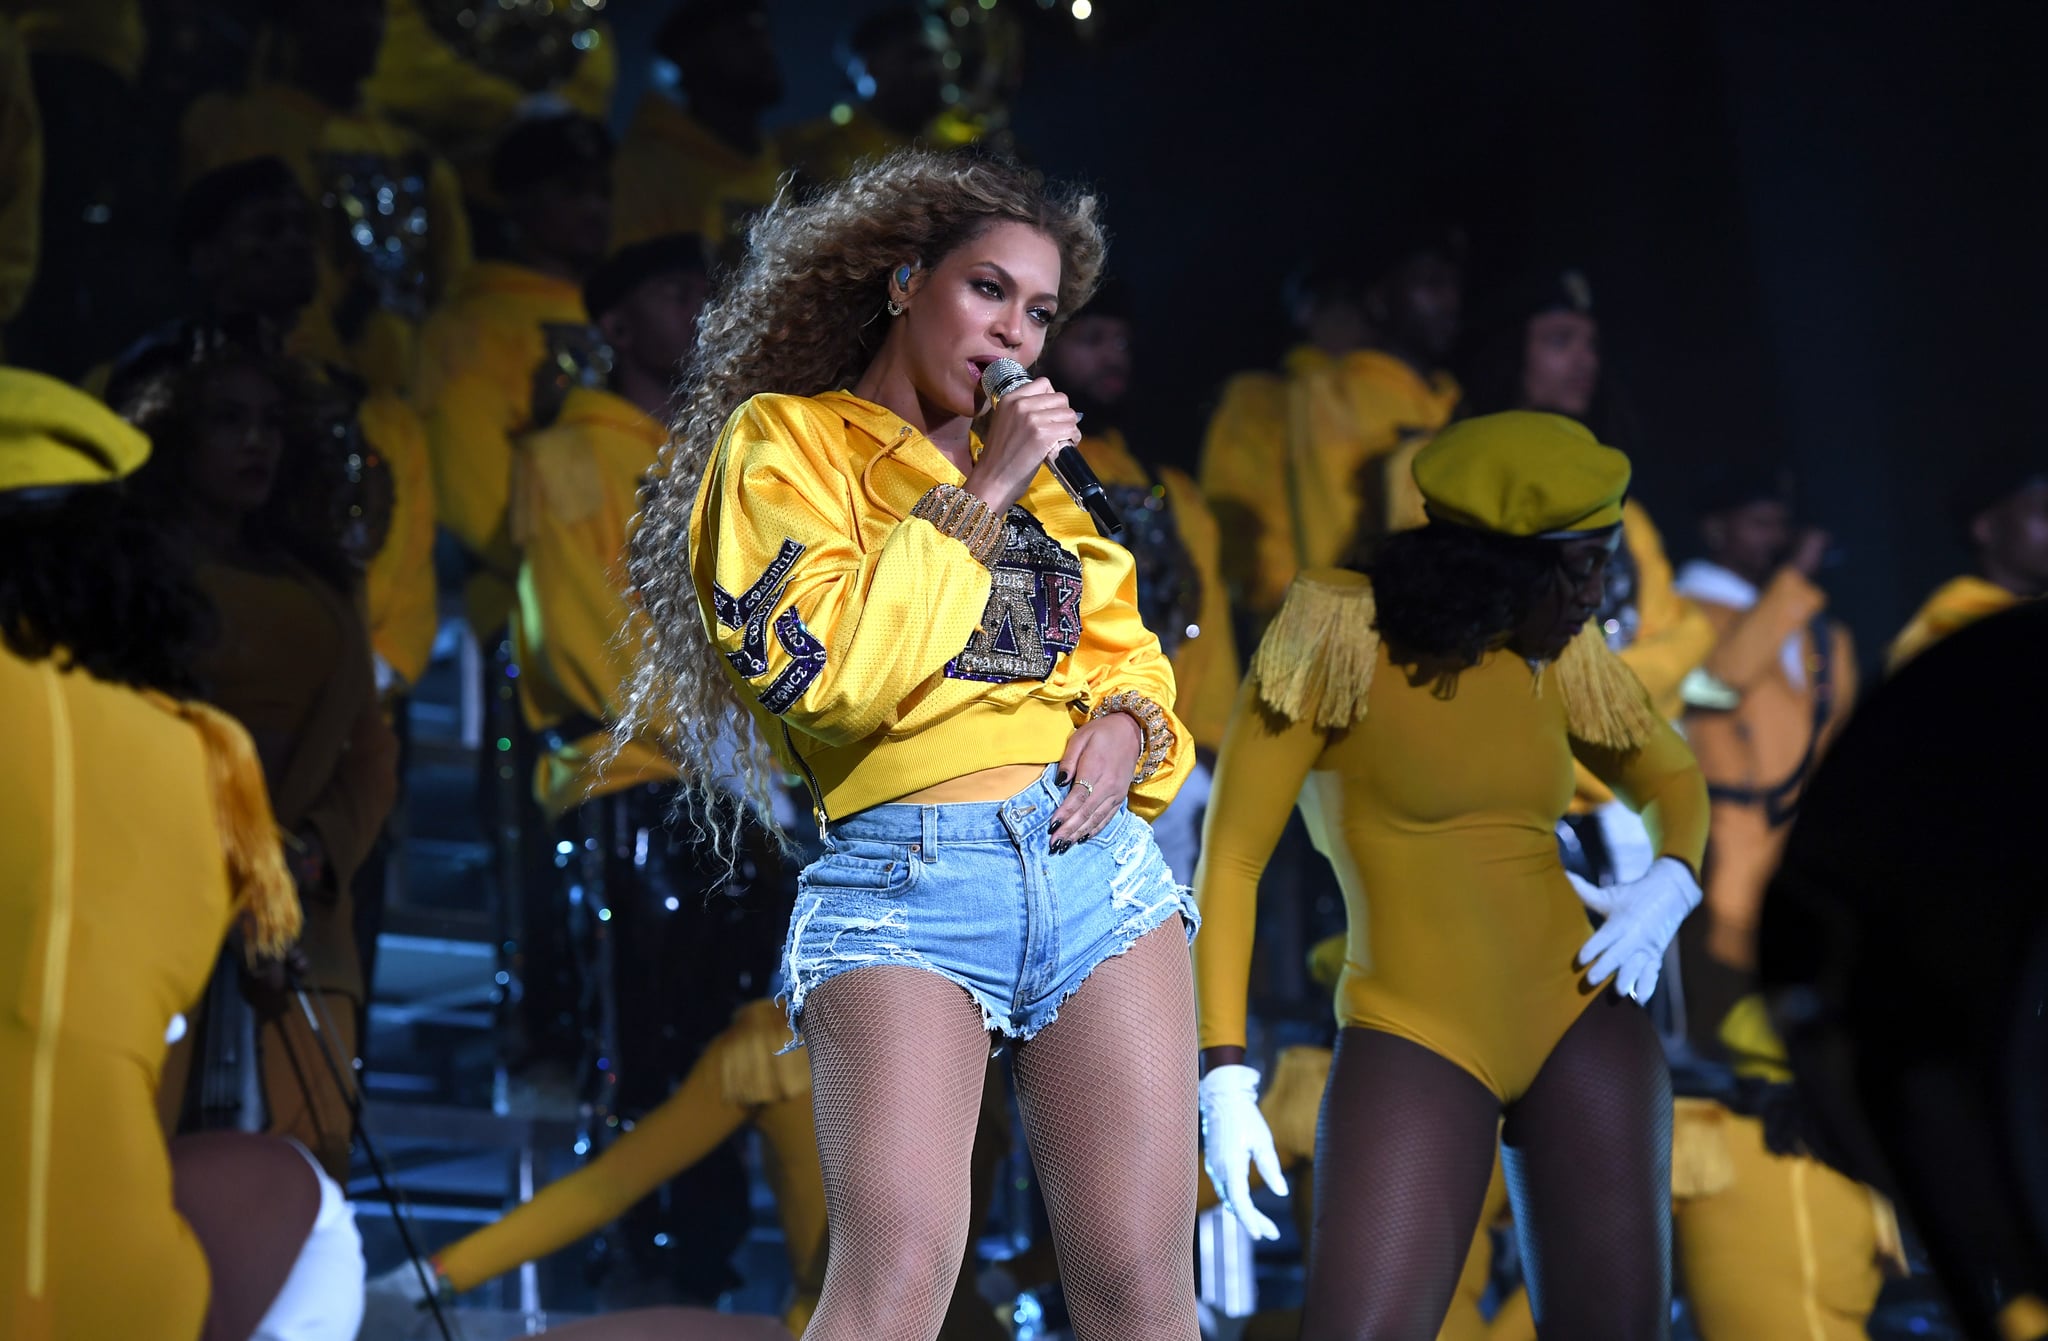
x=1523, y=473
x=53, y=435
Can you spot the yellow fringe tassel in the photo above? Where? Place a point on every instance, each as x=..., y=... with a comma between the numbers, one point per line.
x=1317, y=658
x=264, y=893
x=1604, y=703
x=750, y=1069
x=1701, y=1163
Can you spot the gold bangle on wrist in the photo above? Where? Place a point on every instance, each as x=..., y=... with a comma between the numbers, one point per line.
x=955, y=512
x=1151, y=720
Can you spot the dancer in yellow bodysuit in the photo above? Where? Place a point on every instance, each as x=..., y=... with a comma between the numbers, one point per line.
x=133, y=828
x=1420, y=716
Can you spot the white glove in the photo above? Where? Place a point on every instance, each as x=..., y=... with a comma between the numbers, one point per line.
x=395, y=1302
x=1234, y=1136
x=1642, y=917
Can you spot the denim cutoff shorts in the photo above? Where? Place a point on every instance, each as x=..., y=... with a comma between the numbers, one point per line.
x=971, y=891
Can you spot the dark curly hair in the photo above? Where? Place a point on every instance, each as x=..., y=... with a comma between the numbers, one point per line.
x=1492, y=378
x=86, y=577
x=802, y=315
x=303, y=518
x=1452, y=592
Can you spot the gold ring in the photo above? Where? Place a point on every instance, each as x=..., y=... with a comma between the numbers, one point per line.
x=1083, y=782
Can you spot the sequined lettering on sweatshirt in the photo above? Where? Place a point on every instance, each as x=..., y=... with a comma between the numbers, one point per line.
x=1033, y=616
x=747, y=613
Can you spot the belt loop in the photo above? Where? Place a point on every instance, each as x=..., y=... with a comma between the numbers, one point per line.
x=928, y=838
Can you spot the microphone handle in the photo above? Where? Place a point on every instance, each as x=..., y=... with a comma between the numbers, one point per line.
x=1070, y=468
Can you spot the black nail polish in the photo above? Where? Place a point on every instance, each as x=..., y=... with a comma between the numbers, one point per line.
x=1060, y=777
x=1055, y=827
x=1060, y=846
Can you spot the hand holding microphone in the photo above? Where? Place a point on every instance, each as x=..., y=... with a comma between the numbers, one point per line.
x=1036, y=427
x=1035, y=421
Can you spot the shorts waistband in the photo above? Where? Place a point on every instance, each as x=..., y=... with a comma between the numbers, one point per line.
x=957, y=821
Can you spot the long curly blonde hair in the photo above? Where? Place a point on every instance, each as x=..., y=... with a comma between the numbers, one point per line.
x=801, y=315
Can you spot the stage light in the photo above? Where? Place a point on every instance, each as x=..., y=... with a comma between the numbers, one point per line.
x=1082, y=9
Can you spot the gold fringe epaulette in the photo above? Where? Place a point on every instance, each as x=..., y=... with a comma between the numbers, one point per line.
x=753, y=1070
x=266, y=899
x=1317, y=658
x=1604, y=703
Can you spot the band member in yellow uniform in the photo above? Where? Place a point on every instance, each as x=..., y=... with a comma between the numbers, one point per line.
x=393, y=233
x=925, y=625
x=1286, y=462
x=576, y=489
x=1771, y=1243
x=704, y=166
x=136, y=831
x=1428, y=715
x=498, y=358
x=292, y=663
x=1780, y=682
x=245, y=233
x=1172, y=534
x=459, y=75
x=2004, y=510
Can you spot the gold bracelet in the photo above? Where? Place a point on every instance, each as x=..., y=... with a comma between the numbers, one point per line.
x=1151, y=719
x=955, y=512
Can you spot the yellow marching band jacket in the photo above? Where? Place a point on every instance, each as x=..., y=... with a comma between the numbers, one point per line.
x=876, y=653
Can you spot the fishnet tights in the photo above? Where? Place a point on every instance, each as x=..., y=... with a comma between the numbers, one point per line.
x=1108, y=1093
x=1588, y=1157
x=1108, y=1097
x=898, y=1056
x=1404, y=1151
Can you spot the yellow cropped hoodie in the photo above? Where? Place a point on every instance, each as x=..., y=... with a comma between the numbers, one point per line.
x=876, y=652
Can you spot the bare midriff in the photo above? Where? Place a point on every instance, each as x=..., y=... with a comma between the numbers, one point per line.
x=986, y=784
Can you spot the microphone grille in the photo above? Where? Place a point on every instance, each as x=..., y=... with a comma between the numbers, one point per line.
x=1002, y=377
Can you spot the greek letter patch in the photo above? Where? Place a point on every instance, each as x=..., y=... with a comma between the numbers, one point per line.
x=1033, y=616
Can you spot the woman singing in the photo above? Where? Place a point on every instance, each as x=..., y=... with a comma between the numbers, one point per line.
x=921, y=623
x=1427, y=714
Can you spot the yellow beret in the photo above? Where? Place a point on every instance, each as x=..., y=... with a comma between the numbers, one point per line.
x=1522, y=473
x=53, y=434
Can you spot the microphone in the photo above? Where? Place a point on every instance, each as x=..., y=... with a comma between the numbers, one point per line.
x=1002, y=377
